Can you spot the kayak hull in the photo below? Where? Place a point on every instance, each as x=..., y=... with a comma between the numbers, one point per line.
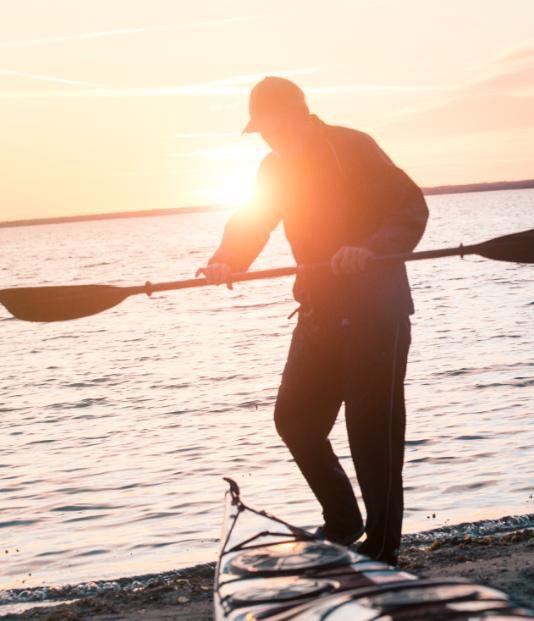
x=269, y=569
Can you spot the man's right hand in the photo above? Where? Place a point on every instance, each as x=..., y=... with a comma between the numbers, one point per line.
x=217, y=274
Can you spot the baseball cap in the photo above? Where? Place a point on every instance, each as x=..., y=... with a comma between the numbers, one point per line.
x=271, y=97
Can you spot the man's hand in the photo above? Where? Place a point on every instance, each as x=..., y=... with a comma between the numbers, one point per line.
x=350, y=260
x=217, y=274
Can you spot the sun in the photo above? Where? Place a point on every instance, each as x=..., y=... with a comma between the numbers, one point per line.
x=236, y=187
x=231, y=170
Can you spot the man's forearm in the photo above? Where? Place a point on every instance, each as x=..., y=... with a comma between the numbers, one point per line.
x=240, y=244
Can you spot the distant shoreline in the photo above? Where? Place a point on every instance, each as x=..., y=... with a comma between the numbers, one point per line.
x=524, y=184
x=146, y=213
x=441, y=189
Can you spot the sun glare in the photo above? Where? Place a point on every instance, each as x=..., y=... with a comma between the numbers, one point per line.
x=236, y=188
x=231, y=170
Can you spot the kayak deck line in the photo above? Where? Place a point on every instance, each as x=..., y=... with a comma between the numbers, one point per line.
x=270, y=569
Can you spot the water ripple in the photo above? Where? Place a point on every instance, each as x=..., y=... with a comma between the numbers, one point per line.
x=118, y=427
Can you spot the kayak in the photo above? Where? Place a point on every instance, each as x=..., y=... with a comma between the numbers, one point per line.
x=269, y=569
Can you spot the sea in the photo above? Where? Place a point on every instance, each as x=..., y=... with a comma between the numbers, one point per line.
x=118, y=428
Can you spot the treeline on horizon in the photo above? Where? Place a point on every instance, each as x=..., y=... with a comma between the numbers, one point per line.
x=441, y=189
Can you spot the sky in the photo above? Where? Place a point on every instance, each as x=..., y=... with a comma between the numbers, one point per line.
x=121, y=105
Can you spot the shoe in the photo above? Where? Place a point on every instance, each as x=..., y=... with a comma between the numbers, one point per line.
x=391, y=559
x=344, y=539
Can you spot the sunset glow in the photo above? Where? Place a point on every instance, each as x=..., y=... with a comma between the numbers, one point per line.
x=230, y=170
x=115, y=106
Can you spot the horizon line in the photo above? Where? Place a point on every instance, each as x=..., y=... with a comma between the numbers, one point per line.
x=484, y=186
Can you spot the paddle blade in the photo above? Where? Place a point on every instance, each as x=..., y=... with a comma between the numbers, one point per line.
x=518, y=248
x=61, y=303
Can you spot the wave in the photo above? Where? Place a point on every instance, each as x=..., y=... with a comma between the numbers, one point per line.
x=51, y=594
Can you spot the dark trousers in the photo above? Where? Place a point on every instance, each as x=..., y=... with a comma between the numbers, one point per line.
x=363, y=364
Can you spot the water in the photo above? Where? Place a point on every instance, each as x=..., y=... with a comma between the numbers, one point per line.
x=116, y=429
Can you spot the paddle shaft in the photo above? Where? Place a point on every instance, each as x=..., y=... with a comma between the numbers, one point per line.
x=172, y=285
x=60, y=303
x=150, y=288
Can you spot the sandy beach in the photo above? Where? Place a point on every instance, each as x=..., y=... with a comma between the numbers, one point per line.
x=504, y=561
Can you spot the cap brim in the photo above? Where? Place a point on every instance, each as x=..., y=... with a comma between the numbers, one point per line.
x=250, y=128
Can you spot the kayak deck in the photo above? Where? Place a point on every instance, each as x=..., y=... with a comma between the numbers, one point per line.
x=269, y=569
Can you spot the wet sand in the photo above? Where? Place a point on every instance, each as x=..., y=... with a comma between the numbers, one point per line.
x=504, y=561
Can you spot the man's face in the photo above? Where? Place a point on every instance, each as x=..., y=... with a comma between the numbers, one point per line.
x=285, y=133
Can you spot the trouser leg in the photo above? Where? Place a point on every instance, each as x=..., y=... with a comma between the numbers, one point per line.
x=307, y=405
x=375, y=415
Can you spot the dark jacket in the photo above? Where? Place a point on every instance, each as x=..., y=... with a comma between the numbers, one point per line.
x=341, y=190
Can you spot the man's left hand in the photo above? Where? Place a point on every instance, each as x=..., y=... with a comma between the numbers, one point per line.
x=350, y=260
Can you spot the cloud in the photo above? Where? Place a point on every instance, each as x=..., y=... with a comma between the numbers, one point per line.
x=468, y=115
x=249, y=79
x=203, y=135
x=45, y=78
x=348, y=89
x=501, y=99
x=518, y=74
x=191, y=90
x=235, y=151
x=238, y=85
x=519, y=54
x=82, y=36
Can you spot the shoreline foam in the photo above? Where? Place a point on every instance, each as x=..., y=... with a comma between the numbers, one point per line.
x=499, y=553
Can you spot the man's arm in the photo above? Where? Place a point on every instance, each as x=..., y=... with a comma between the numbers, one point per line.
x=402, y=203
x=247, y=230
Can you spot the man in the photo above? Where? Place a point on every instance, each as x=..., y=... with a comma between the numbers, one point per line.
x=341, y=201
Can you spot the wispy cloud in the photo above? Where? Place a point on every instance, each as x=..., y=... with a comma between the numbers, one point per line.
x=501, y=99
x=517, y=75
x=45, y=78
x=237, y=85
x=203, y=135
x=233, y=86
x=341, y=89
x=525, y=52
x=221, y=20
x=101, y=34
x=235, y=151
x=348, y=89
x=192, y=90
x=81, y=36
x=248, y=79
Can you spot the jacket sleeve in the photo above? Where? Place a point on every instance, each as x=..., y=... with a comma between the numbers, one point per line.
x=402, y=204
x=248, y=229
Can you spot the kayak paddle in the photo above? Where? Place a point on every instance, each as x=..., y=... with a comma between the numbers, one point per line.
x=60, y=303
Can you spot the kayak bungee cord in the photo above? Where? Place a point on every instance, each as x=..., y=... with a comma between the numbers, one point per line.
x=241, y=507
x=290, y=574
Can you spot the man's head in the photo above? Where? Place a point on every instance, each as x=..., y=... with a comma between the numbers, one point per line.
x=278, y=111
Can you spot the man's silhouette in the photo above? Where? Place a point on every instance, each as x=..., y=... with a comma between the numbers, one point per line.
x=341, y=200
